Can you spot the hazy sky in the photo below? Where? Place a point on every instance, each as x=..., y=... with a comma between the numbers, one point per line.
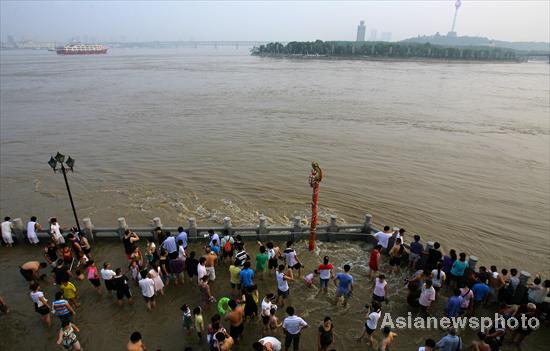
x=266, y=21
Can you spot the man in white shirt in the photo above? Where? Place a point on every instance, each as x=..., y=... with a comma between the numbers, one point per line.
x=201, y=269
x=427, y=296
x=7, y=235
x=33, y=227
x=268, y=343
x=384, y=237
x=293, y=325
x=108, y=274
x=373, y=315
x=147, y=286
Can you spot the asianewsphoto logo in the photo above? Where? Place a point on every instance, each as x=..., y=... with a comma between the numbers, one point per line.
x=475, y=323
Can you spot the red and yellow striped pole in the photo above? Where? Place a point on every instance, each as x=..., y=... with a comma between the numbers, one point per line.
x=315, y=179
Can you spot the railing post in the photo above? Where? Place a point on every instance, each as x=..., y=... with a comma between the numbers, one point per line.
x=367, y=226
x=18, y=230
x=296, y=230
x=157, y=223
x=88, y=229
x=122, y=226
x=192, y=231
x=262, y=229
x=472, y=262
x=332, y=227
x=227, y=224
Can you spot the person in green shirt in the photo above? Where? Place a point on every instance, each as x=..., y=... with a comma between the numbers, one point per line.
x=261, y=259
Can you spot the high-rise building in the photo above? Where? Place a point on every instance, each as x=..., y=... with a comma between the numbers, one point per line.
x=373, y=35
x=361, y=31
x=385, y=36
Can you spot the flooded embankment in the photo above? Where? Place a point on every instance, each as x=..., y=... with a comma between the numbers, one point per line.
x=106, y=326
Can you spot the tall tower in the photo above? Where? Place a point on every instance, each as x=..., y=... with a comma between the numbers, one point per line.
x=361, y=31
x=452, y=33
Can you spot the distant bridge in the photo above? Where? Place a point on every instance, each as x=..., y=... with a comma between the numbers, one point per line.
x=189, y=44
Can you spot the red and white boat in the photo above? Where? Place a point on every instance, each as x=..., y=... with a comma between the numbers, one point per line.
x=81, y=49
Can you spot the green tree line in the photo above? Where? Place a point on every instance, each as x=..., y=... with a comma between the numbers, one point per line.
x=383, y=49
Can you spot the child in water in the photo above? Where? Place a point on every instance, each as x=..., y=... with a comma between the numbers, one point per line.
x=199, y=321
x=308, y=279
x=187, y=319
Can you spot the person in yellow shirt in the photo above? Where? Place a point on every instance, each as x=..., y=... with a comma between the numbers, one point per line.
x=235, y=278
x=70, y=293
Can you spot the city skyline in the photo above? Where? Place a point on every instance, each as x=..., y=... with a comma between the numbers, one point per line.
x=269, y=21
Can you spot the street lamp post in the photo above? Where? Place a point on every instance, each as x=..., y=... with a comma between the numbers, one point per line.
x=60, y=158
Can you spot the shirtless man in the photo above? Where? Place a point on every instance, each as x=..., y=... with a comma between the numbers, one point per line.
x=396, y=252
x=135, y=343
x=225, y=341
x=29, y=270
x=210, y=263
x=236, y=320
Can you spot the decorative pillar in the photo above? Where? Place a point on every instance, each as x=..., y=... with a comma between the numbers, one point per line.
x=157, y=223
x=524, y=277
x=122, y=226
x=192, y=231
x=227, y=223
x=262, y=229
x=88, y=229
x=472, y=262
x=332, y=227
x=296, y=229
x=367, y=226
x=19, y=230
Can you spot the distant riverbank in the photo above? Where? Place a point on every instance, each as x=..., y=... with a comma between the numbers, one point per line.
x=379, y=50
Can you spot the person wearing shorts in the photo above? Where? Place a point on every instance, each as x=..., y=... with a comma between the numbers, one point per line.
x=291, y=258
x=40, y=304
x=236, y=320
x=283, y=290
x=120, y=282
x=345, y=285
x=373, y=315
x=147, y=286
x=108, y=274
x=325, y=273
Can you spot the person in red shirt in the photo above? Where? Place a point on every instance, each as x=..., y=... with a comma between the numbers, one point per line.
x=374, y=261
x=325, y=274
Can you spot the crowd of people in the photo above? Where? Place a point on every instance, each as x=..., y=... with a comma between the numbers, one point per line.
x=167, y=260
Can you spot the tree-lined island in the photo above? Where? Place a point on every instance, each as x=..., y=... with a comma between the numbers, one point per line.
x=385, y=50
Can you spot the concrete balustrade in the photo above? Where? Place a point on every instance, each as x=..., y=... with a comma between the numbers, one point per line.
x=295, y=231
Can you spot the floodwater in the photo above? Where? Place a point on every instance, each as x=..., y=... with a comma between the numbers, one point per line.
x=456, y=152
x=106, y=326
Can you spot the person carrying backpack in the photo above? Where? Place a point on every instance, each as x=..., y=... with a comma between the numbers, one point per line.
x=227, y=242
